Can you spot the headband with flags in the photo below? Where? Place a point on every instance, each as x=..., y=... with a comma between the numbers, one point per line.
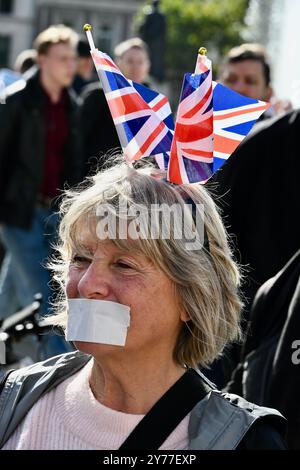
x=142, y=117
x=211, y=120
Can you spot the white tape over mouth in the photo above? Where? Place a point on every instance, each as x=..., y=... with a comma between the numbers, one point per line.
x=97, y=321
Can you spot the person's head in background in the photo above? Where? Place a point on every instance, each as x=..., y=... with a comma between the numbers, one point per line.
x=56, y=56
x=246, y=70
x=132, y=57
x=25, y=61
x=85, y=65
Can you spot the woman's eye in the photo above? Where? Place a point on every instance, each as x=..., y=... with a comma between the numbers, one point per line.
x=123, y=265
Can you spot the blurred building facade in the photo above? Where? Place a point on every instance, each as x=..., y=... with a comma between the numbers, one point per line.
x=17, y=24
x=22, y=20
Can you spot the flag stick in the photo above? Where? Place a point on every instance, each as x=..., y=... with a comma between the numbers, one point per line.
x=202, y=51
x=88, y=29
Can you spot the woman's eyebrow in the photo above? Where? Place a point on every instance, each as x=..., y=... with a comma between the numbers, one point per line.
x=137, y=257
x=82, y=248
x=126, y=254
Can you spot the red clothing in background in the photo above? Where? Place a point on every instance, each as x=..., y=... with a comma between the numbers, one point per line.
x=57, y=128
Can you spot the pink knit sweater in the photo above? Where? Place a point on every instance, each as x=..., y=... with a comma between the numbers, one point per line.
x=69, y=417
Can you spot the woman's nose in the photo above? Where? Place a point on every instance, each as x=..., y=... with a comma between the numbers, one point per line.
x=95, y=283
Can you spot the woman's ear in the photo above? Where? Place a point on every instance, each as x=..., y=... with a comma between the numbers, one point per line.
x=184, y=316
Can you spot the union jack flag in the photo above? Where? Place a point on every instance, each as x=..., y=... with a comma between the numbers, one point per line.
x=211, y=122
x=142, y=116
x=191, y=158
x=234, y=117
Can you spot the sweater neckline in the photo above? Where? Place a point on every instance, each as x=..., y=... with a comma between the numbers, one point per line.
x=96, y=424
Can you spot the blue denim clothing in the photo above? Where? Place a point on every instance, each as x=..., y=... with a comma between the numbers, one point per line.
x=24, y=272
x=11, y=289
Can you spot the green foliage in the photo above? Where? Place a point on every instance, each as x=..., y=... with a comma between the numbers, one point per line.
x=215, y=24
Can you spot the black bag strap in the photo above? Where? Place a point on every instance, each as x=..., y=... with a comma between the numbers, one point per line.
x=167, y=413
x=4, y=376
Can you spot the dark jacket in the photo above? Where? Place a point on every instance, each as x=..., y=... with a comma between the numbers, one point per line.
x=258, y=191
x=268, y=373
x=22, y=151
x=98, y=129
x=218, y=421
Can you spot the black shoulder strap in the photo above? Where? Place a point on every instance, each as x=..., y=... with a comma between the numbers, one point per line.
x=167, y=413
x=3, y=377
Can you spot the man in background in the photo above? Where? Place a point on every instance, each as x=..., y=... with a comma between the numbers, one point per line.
x=247, y=71
x=132, y=58
x=39, y=152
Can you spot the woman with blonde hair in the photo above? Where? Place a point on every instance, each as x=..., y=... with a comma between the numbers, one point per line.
x=148, y=295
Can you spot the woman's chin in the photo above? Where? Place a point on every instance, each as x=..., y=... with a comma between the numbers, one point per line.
x=97, y=349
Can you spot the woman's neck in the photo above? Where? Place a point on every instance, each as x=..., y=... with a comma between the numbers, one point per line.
x=133, y=388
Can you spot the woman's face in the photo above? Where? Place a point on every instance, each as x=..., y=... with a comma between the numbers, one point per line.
x=108, y=273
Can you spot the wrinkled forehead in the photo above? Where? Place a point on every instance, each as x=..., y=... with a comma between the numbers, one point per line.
x=85, y=238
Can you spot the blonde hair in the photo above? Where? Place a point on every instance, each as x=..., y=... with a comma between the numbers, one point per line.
x=206, y=282
x=55, y=34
